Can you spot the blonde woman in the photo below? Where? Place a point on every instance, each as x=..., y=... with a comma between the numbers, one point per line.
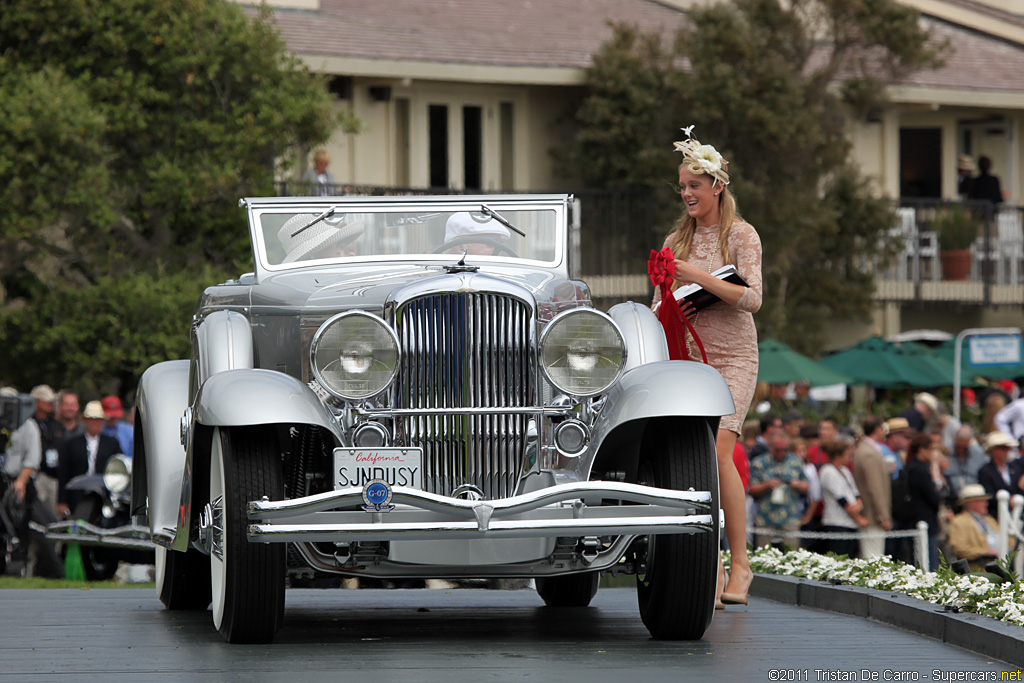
x=708, y=235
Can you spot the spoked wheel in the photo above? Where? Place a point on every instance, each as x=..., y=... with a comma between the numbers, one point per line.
x=99, y=566
x=247, y=579
x=183, y=579
x=677, y=573
x=571, y=590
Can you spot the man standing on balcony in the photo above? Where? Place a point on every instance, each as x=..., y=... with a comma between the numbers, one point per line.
x=321, y=181
x=986, y=186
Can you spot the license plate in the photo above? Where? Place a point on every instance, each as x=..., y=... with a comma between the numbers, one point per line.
x=394, y=465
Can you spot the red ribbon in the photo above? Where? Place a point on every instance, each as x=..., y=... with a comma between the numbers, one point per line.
x=661, y=268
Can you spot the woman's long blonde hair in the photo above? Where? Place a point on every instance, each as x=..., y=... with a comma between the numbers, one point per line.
x=681, y=238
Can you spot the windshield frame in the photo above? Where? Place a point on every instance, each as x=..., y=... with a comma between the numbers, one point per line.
x=257, y=207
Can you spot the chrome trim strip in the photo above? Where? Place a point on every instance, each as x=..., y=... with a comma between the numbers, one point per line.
x=408, y=412
x=84, y=533
x=458, y=507
x=532, y=528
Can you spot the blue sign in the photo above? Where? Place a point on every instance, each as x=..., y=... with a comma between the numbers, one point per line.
x=377, y=496
x=1001, y=349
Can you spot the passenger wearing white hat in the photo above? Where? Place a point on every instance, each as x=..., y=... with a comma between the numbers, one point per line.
x=973, y=533
x=1000, y=473
x=326, y=238
x=461, y=229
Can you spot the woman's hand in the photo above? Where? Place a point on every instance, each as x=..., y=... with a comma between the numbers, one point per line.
x=686, y=273
x=690, y=312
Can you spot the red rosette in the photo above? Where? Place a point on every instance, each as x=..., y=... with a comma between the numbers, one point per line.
x=661, y=268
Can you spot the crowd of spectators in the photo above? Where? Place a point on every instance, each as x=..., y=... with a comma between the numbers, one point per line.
x=844, y=488
x=42, y=455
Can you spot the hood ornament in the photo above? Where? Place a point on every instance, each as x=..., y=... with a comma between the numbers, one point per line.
x=462, y=266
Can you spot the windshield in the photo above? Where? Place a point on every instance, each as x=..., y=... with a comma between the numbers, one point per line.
x=324, y=232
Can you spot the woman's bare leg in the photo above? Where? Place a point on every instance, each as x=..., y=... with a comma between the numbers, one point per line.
x=734, y=505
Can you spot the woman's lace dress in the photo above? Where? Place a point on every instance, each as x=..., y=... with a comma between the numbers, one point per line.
x=728, y=332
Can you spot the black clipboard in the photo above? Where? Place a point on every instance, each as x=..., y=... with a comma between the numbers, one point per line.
x=702, y=298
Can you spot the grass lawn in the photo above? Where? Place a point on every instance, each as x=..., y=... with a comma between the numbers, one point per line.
x=33, y=582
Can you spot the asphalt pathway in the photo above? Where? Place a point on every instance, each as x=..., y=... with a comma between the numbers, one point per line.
x=450, y=636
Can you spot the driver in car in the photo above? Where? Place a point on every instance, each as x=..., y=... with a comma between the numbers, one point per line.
x=463, y=227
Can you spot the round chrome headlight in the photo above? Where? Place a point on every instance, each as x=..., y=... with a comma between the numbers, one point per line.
x=582, y=352
x=117, y=475
x=354, y=355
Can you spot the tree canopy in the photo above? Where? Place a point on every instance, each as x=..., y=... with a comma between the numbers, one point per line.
x=128, y=131
x=773, y=85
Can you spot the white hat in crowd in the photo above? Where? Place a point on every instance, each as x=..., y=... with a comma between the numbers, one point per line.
x=94, y=411
x=928, y=400
x=973, y=492
x=44, y=393
x=998, y=438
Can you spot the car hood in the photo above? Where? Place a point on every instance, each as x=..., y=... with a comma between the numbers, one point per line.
x=369, y=288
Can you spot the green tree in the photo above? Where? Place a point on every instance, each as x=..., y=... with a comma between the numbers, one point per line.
x=772, y=85
x=128, y=131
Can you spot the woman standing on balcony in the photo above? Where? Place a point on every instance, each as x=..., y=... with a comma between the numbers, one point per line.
x=708, y=235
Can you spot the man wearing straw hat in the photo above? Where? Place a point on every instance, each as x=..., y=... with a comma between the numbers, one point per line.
x=1001, y=473
x=974, y=534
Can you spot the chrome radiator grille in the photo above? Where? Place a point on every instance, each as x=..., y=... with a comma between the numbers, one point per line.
x=466, y=350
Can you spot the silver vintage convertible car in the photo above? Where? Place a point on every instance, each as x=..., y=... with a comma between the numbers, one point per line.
x=414, y=387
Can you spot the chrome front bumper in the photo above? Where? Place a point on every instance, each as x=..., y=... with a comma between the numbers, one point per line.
x=558, y=511
x=128, y=536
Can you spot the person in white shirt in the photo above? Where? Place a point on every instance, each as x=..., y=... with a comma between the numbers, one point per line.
x=1010, y=419
x=22, y=462
x=842, y=499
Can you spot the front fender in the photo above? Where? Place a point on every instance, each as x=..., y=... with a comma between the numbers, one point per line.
x=239, y=398
x=159, y=457
x=662, y=389
x=235, y=398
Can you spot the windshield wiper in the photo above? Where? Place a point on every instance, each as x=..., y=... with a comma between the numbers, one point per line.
x=496, y=216
x=326, y=214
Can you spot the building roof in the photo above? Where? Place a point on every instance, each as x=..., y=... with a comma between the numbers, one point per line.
x=979, y=62
x=536, y=33
x=552, y=40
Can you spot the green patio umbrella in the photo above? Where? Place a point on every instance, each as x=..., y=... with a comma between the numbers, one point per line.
x=876, y=362
x=779, y=364
x=922, y=358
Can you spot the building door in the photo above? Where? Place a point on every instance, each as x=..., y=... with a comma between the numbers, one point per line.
x=921, y=162
x=458, y=142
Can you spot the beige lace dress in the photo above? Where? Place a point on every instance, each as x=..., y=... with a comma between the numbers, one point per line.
x=728, y=332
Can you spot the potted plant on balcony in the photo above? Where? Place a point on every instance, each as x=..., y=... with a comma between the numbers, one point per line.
x=957, y=228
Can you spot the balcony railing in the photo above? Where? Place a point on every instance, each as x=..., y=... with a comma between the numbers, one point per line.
x=924, y=271
x=618, y=231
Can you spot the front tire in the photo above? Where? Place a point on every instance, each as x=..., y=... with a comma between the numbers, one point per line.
x=677, y=573
x=182, y=579
x=247, y=579
x=570, y=590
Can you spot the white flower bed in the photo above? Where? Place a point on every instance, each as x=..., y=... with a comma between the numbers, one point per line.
x=970, y=593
